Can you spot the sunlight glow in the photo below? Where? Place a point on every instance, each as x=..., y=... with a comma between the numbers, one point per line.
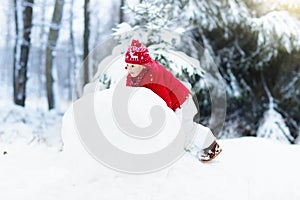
x=288, y=4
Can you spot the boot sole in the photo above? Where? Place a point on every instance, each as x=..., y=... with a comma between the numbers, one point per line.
x=202, y=160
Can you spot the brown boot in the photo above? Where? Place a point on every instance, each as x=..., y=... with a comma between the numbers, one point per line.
x=210, y=152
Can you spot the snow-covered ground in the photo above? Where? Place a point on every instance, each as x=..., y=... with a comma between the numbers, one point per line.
x=248, y=168
x=34, y=167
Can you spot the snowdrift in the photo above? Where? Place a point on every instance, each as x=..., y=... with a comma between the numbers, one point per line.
x=248, y=168
x=140, y=113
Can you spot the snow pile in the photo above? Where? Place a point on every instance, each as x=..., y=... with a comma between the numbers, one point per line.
x=248, y=168
x=139, y=112
x=29, y=126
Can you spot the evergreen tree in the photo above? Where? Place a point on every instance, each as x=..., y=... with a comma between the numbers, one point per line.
x=245, y=39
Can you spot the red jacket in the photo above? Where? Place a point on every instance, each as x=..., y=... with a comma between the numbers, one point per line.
x=163, y=83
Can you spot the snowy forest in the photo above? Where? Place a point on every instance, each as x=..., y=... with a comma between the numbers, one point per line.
x=51, y=54
x=254, y=43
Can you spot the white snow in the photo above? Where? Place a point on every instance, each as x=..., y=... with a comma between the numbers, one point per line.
x=273, y=126
x=278, y=3
x=278, y=26
x=30, y=126
x=248, y=168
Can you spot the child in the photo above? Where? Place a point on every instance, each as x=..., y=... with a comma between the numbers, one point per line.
x=143, y=71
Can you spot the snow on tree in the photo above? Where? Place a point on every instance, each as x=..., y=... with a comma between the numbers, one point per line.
x=243, y=38
x=272, y=125
x=160, y=44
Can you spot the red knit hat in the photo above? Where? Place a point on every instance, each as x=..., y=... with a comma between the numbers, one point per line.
x=137, y=53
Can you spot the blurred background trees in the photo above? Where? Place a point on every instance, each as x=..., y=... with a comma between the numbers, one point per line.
x=254, y=43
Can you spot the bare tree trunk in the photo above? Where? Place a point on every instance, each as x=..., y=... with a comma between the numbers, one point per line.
x=15, y=50
x=21, y=78
x=86, y=38
x=121, y=12
x=51, y=44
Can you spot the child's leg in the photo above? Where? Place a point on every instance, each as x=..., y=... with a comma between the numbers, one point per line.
x=199, y=139
x=196, y=134
x=203, y=137
x=204, y=145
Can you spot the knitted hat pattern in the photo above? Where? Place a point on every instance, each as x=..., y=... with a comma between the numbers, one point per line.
x=137, y=53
